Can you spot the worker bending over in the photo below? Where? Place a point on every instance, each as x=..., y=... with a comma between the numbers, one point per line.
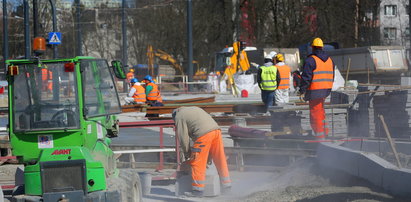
x=137, y=93
x=152, y=92
x=267, y=79
x=283, y=89
x=316, y=83
x=195, y=123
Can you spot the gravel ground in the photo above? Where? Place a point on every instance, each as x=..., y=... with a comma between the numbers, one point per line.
x=300, y=181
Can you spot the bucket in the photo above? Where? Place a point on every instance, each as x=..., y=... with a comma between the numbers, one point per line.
x=244, y=93
x=145, y=182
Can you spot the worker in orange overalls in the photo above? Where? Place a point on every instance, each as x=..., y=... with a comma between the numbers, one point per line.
x=283, y=89
x=137, y=93
x=195, y=123
x=316, y=83
x=152, y=92
x=130, y=75
x=47, y=79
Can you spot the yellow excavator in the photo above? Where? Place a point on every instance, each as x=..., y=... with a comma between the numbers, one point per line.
x=199, y=75
x=238, y=63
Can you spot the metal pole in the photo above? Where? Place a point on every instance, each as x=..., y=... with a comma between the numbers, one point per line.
x=124, y=32
x=53, y=13
x=26, y=29
x=35, y=17
x=79, y=51
x=190, y=39
x=5, y=35
x=409, y=30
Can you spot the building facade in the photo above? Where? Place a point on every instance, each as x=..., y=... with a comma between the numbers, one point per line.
x=394, y=22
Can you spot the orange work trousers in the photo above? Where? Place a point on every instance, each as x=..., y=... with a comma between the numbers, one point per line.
x=317, y=118
x=209, y=144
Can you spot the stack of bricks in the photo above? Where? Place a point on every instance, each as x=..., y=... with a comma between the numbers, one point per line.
x=393, y=104
x=336, y=119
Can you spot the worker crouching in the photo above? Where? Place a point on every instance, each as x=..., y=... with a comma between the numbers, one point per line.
x=137, y=93
x=152, y=92
x=196, y=124
x=316, y=83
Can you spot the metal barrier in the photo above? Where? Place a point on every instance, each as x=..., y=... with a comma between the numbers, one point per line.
x=161, y=124
x=183, y=85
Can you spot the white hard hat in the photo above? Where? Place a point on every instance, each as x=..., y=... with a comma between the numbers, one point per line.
x=273, y=54
x=270, y=55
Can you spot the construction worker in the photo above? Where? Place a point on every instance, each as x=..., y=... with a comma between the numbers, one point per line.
x=316, y=83
x=137, y=93
x=130, y=75
x=267, y=79
x=196, y=124
x=152, y=91
x=282, y=92
x=47, y=77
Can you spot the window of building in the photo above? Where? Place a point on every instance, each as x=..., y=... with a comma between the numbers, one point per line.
x=390, y=10
x=407, y=32
x=390, y=33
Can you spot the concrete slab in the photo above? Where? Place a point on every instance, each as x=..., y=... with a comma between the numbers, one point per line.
x=367, y=166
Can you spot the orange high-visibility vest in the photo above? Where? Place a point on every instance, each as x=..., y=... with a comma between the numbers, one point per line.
x=140, y=94
x=46, y=74
x=323, y=75
x=284, y=71
x=154, y=93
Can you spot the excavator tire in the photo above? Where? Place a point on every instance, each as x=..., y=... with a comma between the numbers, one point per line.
x=128, y=184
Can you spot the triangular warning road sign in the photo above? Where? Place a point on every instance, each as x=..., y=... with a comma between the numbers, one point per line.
x=55, y=39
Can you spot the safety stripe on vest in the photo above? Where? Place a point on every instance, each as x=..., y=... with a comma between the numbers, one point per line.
x=323, y=72
x=285, y=78
x=268, y=81
x=270, y=87
x=322, y=80
x=195, y=150
x=284, y=85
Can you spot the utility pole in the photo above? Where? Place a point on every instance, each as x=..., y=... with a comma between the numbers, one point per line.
x=190, y=39
x=5, y=35
x=79, y=51
x=124, y=31
x=26, y=29
x=53, y=14
x=409, y=29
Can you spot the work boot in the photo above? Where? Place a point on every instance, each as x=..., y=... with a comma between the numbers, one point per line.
x=194, y=193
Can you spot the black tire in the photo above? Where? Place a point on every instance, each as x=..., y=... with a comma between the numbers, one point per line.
x=127, y=184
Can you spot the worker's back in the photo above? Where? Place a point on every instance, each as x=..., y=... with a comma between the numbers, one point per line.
x=195, y=120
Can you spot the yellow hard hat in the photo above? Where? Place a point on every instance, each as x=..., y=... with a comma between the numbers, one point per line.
x=131, y=70
x=279, y=57
x=317, y=42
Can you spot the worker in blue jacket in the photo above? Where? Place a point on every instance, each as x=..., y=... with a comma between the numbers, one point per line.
x=316, y=83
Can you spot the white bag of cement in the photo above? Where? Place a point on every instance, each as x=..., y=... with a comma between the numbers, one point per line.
x=223, y=86
x=338, y=80
x=213, y=83
x=244, y=82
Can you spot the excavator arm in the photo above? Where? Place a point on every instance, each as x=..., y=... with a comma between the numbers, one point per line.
x=163, y=56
